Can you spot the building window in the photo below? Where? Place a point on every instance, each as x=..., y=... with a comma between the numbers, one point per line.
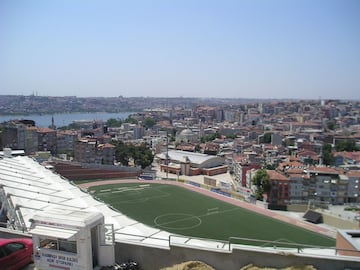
x=67, y=246
x=58, y=244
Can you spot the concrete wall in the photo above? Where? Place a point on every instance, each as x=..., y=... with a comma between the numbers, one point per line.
x=345, y=247
x=297, y=208
x=338, y=222
x=151, y=258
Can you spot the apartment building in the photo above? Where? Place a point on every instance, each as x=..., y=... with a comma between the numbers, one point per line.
x=139, y=132
x=280, y=187
x=31, y=140
x=47, y=140
x=353, y=190
x=322, y=185
x=105, y=154
x=13, y=135
x=89, y=150
x=297, y=194
x=24, y=135
x=66, y=140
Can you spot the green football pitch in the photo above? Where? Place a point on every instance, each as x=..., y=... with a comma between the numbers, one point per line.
x=181, y=211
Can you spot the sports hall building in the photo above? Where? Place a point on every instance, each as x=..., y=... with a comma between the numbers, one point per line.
x=190, y=163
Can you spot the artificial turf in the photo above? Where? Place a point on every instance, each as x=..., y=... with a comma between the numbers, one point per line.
x=181, y=211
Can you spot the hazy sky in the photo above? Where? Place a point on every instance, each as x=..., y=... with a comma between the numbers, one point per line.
x=190, y=48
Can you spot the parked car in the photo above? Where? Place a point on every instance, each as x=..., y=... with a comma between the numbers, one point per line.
x=15, y=253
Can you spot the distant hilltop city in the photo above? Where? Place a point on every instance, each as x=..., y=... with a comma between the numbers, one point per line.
x=33, y=104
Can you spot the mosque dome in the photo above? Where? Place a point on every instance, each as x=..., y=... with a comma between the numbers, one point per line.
x=186, y=132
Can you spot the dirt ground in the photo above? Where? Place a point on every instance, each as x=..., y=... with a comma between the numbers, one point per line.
x=196, y=265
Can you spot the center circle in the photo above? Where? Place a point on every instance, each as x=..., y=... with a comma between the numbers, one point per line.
x=177, y=221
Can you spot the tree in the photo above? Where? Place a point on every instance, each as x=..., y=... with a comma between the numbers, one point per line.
x=73, y=126
x=348, y=145
x=149, y=122
x=171, y=136
x=112, y=122
x=261, y=180
x=270, y=166
x=197, y=148
x=141, y=154
x=330, y=125
x=267, y=137
x=122, y=153
x=231, y=136
x=328, y=157
x=131, y=120
x=210, y=137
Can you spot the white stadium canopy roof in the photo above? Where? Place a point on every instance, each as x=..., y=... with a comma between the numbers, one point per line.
x=28, y=187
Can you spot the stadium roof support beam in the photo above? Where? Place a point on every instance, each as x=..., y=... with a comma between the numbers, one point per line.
x=13, y=213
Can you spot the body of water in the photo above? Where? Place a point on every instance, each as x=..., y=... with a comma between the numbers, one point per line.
x=64, y=119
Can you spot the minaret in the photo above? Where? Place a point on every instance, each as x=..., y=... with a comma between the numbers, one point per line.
x=52, y=123
x=321, y=156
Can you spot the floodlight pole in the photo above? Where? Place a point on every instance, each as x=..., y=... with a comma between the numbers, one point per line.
x=167, y=155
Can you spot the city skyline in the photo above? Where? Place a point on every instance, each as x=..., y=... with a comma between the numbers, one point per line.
x=229, y=49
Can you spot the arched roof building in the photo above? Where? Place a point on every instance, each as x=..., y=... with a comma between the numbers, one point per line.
x=190, y=163
x=197, y=160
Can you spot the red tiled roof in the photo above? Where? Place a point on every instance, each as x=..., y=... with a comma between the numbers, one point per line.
x=109, y=145
x=291, y=158
x=324, y=170
x=274, y=175
x=31, y=128
x=68, y=132
x=290, y=164
x=45, y=130
x=164, y=123
x=240, y=158
x=186, y=147
x=295, y=171
x=349, y=155
x=296, y=175
x=353, y=173
x=306, y=153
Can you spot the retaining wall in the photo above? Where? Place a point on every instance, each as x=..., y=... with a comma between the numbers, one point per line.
x=155, y=258
x=152, y=258
x=338, y=222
